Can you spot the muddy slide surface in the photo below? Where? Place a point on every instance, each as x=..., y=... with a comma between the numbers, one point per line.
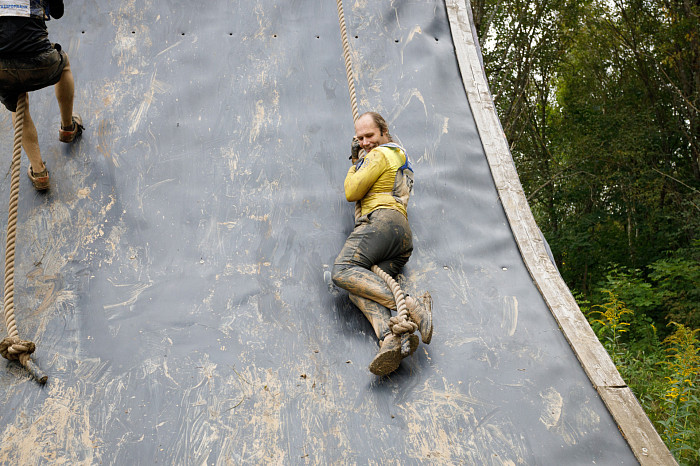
x=176, y=277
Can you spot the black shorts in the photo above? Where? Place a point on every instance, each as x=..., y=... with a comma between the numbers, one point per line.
x=26, y=74
x=383, y=238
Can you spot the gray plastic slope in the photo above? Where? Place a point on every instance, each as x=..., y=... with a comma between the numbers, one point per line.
x=176, y=276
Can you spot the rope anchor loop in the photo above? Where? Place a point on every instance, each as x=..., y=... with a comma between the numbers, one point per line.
x=14, y=349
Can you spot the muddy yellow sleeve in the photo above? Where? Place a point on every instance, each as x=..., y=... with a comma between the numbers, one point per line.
x=359, y=182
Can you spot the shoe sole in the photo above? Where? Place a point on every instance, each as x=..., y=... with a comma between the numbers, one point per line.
x=428, y=303
x=386, y=362
x=409, y=345
x=41, y=186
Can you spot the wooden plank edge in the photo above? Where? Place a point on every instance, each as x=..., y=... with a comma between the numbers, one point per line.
x=636, y=427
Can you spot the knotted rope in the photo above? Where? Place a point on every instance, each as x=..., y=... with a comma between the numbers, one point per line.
x=399, y=323
x=12, y=347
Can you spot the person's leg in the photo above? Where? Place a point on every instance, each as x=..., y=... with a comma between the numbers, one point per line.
x=377, y=314
x=37, y=171
x=30, y=140
x=392, y=348
x=362, y=282
x=420, y=310
x=376, y=240
x=384, y=239
x=65, y=92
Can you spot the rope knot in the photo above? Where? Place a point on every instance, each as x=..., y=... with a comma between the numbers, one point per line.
x=400, y=325
x=14, y=349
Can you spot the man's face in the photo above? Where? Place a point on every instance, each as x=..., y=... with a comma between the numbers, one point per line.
x=367, y=132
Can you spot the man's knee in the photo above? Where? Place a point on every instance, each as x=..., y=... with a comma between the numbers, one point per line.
x=347, y=276
x=338, y=275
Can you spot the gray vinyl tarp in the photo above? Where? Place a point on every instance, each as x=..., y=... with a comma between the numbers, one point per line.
x=176, y=277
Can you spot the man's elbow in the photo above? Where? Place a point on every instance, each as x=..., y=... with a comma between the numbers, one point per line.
x=353, y=194
x=351, y=197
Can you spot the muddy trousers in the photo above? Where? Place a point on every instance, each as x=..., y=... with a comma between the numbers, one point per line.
x=383, y=238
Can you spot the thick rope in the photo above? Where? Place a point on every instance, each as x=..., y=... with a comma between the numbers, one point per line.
x=351, y=80
x=348, y=61
x=12, y=347
x=400, y=323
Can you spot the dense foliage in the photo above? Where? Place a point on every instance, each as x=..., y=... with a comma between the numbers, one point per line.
x=599, y=100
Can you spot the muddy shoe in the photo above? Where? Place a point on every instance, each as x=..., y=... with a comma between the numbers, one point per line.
x=388, y=358
x=409, y=344
x=39, y=180
x=420, y=310
x=69, y=135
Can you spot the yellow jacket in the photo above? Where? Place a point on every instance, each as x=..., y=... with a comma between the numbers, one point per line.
x=372, y=184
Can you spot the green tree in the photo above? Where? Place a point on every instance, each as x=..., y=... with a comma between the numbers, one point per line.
x=599, y=103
